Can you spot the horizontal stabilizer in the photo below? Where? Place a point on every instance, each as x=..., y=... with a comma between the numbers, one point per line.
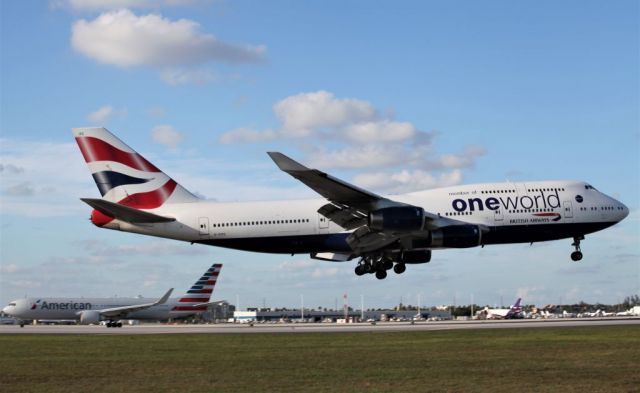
x=125, y=213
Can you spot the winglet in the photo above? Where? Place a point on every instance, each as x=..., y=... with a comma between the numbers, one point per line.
x=164, y=298
x=285, y=163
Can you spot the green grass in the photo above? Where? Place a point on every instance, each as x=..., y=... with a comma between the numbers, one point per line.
x=598, y=359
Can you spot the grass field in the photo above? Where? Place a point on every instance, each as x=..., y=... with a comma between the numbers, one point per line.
x=598, y=359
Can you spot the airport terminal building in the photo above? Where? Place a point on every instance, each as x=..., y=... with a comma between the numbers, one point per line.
x=308, y=315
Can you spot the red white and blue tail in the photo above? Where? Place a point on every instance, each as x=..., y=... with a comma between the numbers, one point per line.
x=197, y=297
x=125, y=177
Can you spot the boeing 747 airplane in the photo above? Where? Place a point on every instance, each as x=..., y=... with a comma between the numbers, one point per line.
x=381, y=232
x=93, y=310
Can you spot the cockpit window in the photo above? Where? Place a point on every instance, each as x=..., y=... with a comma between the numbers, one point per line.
x=589, y=187
x=12, y=304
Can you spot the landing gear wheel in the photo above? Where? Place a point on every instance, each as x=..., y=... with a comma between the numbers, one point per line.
x=119, y=324
x=360, y=270
x=368, y=268
x=399, y=268
x=577, y=254
x=388, y=264
x=381, y=274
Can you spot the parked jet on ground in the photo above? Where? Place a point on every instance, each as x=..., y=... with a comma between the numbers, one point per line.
x=504, y=313
x=350, y=223
x=93, y=310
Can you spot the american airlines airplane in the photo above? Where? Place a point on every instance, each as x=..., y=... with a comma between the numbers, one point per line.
x=350, y=222
x=93, y=310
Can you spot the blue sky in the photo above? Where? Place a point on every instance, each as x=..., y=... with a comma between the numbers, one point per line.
x=463, y=92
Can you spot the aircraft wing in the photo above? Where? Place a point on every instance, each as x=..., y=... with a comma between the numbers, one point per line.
x=349, y=206
x=124, y=310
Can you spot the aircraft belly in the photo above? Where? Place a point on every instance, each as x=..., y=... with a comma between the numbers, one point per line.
x=286, y=244
x=540, y=232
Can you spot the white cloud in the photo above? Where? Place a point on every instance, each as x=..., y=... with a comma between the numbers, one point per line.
x=359, y=157
x=355, y=135
x=53, y=175
x=380, y=131
x=325, y=272
x=167, y=135
x=105, y=113
x=298, y=265
x=465, y=160
x=177, y=76
x=124, y=39
x=407, y=180
x=304, y=112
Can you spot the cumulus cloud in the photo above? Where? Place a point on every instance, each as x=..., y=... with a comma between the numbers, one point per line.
x=307, y=111
x=124, y=39
x=104, y=114
x=52, y=175
x=380, y=131
x=355, y=135
x=167, y=135
x=408, y=180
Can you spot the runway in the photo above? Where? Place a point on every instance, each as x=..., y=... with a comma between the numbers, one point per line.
x=315, y=327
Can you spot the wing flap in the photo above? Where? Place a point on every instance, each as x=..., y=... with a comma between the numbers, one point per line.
x=343, y=215
x=125, y=213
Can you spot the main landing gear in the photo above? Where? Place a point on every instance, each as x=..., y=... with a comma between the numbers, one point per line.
x=114, y=324
x=577, y=254
x=378, y=265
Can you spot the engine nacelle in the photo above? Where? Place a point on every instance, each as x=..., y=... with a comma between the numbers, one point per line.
x=404, y=219
x=457, y=236
x=415, y=256
x=90, y=316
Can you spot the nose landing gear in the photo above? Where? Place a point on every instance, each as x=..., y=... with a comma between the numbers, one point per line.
x=577, y=254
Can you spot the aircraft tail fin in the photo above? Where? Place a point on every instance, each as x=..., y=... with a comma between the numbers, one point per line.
x=515, y=309
x=125, y=177
x=197, y=297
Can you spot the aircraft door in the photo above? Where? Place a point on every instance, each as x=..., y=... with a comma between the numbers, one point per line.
x=323, y=223
x=203, y=224
x=497, y=215
x=568, y=211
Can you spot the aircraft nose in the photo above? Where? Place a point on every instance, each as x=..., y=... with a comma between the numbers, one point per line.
x=625, y=211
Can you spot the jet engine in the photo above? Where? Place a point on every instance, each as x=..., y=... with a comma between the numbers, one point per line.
x=404, y=219
x=90, y=316
x=457, y=236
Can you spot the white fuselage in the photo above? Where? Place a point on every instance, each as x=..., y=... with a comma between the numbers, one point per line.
x=514, y=212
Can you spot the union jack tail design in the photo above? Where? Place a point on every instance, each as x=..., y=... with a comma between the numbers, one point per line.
x=199, y=294
x=125, y=177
